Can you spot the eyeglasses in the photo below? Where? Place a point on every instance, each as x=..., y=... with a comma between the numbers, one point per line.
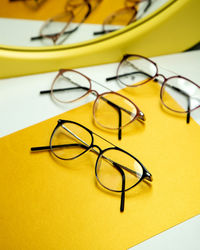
x=61, y=26
x=34, y=4
x=124, y=16
x=115, y=169
x=135, y=70
x=110, y=109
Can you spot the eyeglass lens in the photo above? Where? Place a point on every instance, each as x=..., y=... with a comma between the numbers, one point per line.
x=109, y=176
x=70, y=86
x=183, y=90
x=113, y=111
x=66, y=23
x=135, y=71
x=118, y=19
x=69, y=141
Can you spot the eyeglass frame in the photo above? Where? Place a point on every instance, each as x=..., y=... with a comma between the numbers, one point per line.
x=146, y=175
x=126, y=8
x=138, y=116
x=55, y=36
x=154, y=78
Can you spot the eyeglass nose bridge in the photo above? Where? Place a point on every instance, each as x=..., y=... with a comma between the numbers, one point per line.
x=159, y=75
x=94, y=92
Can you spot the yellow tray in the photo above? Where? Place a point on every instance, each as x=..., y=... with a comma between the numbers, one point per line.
x=170, y=29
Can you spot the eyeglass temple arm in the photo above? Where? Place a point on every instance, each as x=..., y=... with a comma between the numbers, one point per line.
x=188, y=100
x=126, y=74
x=103, y=32
x=61, y=89
x=41, y=148
x=148, y=176
x=119, y=115
x=140, y=117
x=188, y=113
x=65, y=32
x=52, y=34
x=123, y=186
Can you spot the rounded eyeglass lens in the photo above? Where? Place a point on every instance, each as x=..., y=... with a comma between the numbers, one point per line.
x=119, y=19
x=110, y=177
x=135, y=70
x=53, y=29
x=70, y=141
x=80, y=13
x=113, y=111
x=180, y=94
x=70, y=86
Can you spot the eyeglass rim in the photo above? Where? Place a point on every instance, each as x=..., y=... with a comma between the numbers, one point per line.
x=125, y=57
x=58, y=34
x=118, y=12
x=115, y=93
x=144, y=170
x=59, y=124
x=60, y=72
x=162, y=91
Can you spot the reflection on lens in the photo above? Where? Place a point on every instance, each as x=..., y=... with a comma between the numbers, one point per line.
x=80, y=12
x=119, y=19
x=109, y=176
x=70, y=86
x=135, y=71
x=70, y=141
x=54, y=28
x=113, y=111
x=180, y=94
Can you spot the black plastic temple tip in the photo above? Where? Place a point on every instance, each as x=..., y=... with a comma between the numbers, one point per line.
x=120, y=134
x=111, y=78
x=122, y=202
x=40, y=148
x=98, y=33
x=188, y=118
x=36, y=38
x=45, y=91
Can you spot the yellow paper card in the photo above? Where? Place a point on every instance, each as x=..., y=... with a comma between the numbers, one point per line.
x=53, y=204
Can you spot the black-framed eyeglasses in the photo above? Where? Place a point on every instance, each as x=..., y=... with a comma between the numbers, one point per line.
x=60, y=27
x=111, y=110
x=124, y=16
x=115, y=169
x=136, y=70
